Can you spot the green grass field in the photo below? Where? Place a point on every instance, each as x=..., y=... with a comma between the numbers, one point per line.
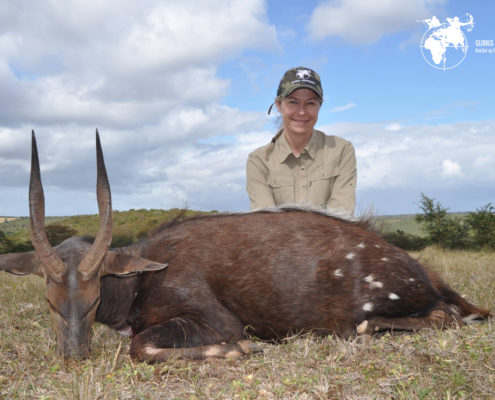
x=450, y=364
x=393, y=223
x=128, y=226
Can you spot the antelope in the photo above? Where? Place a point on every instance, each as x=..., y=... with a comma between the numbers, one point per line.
x=198, y=288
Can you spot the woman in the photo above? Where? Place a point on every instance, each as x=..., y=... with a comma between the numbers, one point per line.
x=302, y=165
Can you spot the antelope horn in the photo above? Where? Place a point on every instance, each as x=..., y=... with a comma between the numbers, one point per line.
x=91, y=262
x=53, y=265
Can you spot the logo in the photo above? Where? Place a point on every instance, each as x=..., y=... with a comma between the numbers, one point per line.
x=444, y=45
x=485, y=46
x=303, y=73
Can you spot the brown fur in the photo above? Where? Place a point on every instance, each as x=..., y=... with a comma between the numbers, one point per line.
x=273, y=273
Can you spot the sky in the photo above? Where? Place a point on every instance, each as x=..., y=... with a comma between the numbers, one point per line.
x=179, y=91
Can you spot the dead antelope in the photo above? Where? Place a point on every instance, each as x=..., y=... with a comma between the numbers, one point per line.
x=196, y=288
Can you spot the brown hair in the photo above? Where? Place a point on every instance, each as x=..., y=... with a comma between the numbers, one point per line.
x=272, y=144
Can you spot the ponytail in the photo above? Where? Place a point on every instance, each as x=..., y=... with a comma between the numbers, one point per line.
x=272, y=144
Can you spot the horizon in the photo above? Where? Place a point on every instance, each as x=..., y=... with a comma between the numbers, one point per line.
x=219, y=211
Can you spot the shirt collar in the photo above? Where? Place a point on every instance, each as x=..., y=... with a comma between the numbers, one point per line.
x=284, y=150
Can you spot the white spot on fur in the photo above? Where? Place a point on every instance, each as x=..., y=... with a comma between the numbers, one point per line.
x=338, y=273
x=361, y=328
x=361, y=245
x=151, y=351
x=377, y=246
x=127, y=331
x=213, y=350
x=350, y=256
x=373, y=284
x=368, y=307
x=384, y=259
x=411, y=279
x=473, y=318
x=393, y=296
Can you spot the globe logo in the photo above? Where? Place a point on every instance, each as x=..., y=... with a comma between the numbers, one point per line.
x=444, y=45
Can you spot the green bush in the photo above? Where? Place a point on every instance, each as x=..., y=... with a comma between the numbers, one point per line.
x=6, y=246
x=406, y=241
x=482, y=224
x=121, y=240
x=19, y=247
x=57, y=233
x=444, y=230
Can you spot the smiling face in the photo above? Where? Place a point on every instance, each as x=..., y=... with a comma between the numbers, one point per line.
x=299, y=112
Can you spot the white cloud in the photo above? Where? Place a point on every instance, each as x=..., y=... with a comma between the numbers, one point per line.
x=393, y=127
x=146, y=74
x=484, y=161
x=171, y=29
x=343, y=108
x=421, y=156
x=160, y=166
x=149, y=169
x=451, y=169
x=394, y=167
x=364, y=22
x=79, y=62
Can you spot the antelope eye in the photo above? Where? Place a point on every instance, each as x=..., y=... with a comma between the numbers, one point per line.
x=56, y=311
x=93, y=306
x=59, y=313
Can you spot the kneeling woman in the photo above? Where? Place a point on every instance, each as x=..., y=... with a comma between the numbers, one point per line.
x=301, y=165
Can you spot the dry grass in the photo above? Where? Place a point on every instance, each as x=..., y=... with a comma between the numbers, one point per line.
x=7, y=219
x=449, y=364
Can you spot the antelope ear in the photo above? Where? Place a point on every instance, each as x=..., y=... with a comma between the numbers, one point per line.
x=126, y=265
x=21, y=263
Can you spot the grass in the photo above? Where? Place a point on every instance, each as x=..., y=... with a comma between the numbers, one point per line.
x=431, y=364
x=128, y=226
x=406, y=223
x=7, y=219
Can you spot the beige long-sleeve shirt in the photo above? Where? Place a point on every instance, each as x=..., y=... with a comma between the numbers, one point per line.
x=323, y=176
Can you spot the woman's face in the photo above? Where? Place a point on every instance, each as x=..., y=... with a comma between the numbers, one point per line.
x=299, y=111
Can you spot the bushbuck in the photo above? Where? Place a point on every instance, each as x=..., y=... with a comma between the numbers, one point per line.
x=197, y=288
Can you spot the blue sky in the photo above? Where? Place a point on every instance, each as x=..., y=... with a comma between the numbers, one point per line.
x=179, y=92
x=385, y=79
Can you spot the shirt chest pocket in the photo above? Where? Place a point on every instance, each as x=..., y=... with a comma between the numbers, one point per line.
x=321, y=182
x=282, y=187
